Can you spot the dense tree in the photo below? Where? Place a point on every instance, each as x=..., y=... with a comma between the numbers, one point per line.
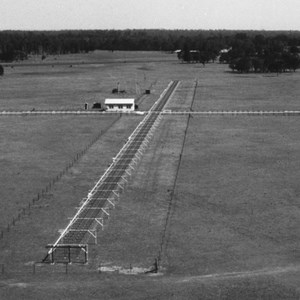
x=263, y=54
x=224, y=57
x=186, y=53
x=260, y=51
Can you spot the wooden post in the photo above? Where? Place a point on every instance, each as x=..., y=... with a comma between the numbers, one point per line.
x=86, y=254
x=52, y=257
x=69, y=254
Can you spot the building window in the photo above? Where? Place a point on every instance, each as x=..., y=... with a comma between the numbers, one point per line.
x=120, y=106
x=128, y=106
x=110, y=106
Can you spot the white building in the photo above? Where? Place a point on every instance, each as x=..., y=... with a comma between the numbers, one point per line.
x=121, y=104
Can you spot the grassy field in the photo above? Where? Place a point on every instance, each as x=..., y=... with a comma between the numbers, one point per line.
x=35, y=149
x=56, y=85
x=244, y=197
x=214, y=197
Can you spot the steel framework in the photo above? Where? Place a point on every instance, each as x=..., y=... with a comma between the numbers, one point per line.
x=72, y=244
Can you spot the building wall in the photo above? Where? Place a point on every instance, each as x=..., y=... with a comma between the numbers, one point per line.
x=120, y=107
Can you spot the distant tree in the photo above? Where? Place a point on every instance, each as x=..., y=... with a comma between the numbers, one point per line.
x=186, y=54
x=1, y=70
x=259, y=42
x=242, y=65
x=205, y=57
x=294, y=49
x=233, y=64
x=267, y=50
x=195, y=56
x=258, y=64
x=224, y=58
x=290, y=61
x=275, y=65
x=8, y=52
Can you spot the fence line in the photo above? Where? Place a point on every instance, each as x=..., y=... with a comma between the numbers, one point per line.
x=67, y=112
x=170, y=211
x=165, y=112
x=234, y=113
x=26, y=210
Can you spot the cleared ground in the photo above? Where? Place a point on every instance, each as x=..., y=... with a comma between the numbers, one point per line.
x=35, y=149
x=227, y=229
x=236, y=201
x=56, y=84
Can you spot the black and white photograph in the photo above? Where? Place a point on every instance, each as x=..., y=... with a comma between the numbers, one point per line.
x=150, y=149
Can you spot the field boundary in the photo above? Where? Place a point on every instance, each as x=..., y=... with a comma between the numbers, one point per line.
x=67, y=112
x=164, y=112
x=95, y=208
x=26, y=210
x=234, y=112
x=164, y=237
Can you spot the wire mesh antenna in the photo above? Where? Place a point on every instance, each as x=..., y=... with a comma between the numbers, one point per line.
x=72, y=245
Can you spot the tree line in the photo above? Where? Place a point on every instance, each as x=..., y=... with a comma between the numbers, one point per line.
x=20, y=44
x=246, y=52
x=242, y=50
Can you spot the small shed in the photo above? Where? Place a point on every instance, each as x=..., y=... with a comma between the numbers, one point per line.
x=122, y=104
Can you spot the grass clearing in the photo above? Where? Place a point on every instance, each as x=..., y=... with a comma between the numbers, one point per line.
x=52, y=211
x=233, y=228
x=61, y=87
x=35, y=149
x=223, y=90
x=236, y=203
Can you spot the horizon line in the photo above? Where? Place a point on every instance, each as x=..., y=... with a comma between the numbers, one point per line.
x=161, y=29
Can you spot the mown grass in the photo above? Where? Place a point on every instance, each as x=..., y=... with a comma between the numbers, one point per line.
x=220, y=89
x=236, y=202
x=35, y=149
x=55, y=86
x=26, y=241
x=235, y=205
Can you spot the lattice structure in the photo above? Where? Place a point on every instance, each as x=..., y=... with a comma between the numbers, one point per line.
x=71, y=246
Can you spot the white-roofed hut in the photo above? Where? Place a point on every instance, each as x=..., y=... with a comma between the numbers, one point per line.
x=122, y=104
